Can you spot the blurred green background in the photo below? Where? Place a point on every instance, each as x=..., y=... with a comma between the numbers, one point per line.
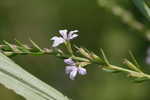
x=99, y=28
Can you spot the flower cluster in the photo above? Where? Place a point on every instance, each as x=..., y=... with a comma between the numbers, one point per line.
x=72, y=68
x=148, y=56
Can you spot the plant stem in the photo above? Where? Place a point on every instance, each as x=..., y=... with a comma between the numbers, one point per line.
x=46, y=51
x=137, y=74
x=69, y=48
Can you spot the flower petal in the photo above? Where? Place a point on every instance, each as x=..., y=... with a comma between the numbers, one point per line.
x=63, y=33
x=69, y=69
x=73, y=74
x=69, y=61
x=57, y=41
x=75, y=31
x=72, y=34
x=82, y=71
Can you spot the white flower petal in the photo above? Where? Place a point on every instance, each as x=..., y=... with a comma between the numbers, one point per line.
x=82, y=71
x=64, y=33
x=73, y=74
x=69, y=69
x=69, y=61
x=75, y=31
x=72, y=35
x=57, y=41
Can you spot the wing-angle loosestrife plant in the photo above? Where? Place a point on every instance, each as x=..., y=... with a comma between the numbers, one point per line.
x=75, y=64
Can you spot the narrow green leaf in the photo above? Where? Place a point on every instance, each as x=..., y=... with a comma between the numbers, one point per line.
x=139, y=80
x=9, y=53
x=5, y=48
x=144, y=7
x=131, y=65
x=84, y=52
x=133, y=59
x=36, y=46
x=108, y=69
x=104, y=57
x=13, y=47
x=23, y=83
x=22, y=47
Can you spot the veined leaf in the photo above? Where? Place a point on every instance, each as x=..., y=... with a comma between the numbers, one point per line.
x=143, y=5
x=23, y=83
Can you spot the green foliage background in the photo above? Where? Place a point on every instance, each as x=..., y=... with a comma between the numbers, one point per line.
x=99, y=28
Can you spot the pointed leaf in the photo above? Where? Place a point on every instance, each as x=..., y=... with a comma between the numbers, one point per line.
x=133, y=59
x=131, y=65
x=104, y=57
x=35, y=45
x=23, y=83
x=13, y=47
x=144, y=7
x=22, y=47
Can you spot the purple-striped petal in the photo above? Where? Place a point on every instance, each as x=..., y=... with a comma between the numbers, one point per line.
x=69, y=69
x=57, y=41
x=64, y=33
x=69, y=61
x=73, y=74
x=72, y=34
x=82, y=71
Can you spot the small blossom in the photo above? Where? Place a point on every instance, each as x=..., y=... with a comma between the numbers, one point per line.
x=65, y=36
x=69, y=61
x=72, y=69
x=57, y=41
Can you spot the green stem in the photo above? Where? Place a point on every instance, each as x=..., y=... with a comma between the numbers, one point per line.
x=137, y=74
x=69, y=48
x=47, y=51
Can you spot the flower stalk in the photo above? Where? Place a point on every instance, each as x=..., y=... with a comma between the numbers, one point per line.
x=76, y=64
x=69, y=48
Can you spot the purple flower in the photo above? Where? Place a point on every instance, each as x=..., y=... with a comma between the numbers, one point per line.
x=65, y=36
x=72, y=69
